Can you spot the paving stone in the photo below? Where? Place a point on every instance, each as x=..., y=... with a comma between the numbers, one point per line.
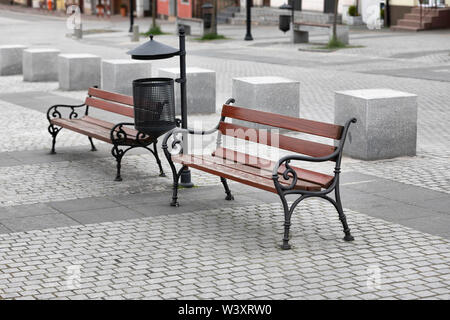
x=38, y=222
x=105, y=214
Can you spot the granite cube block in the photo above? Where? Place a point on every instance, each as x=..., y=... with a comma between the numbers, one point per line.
x=386, y=122
x=78, y=71
x=11, y=59
x=40, y=64
x=200, y=87
x=270, y=94
x=118, y=74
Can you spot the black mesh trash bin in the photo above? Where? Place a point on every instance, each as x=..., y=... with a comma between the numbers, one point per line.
x=154, y=105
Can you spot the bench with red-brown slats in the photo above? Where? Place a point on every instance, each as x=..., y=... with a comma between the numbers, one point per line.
x=117, y=134
x=278, y=177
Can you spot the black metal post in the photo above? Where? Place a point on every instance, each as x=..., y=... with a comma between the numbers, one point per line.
x=292, y=12
x=185, y=178
x=248, y=36
x=131, y=16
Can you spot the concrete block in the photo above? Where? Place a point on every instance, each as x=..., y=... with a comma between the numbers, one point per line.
x=78, y=71
x=387, y=122
x=200, y=87
x=270, y=94
x=341, y=33
x=118, y=74
x=11, y=59
x=192, y=26
x=40, y=64
x=299, y=36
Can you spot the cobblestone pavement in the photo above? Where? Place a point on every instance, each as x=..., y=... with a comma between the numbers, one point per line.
x=225, y=251
x=228, y=253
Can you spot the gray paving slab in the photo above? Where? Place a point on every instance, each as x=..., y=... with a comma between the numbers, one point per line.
x=104, y=215
x=41, y=101
x=74, y=153
x=84, y=204
x=437, y=204
x=37, y=209
x=52, y=220
x=38, y=100
x=441, y=73
x=7, y=160
x=3, y=229
x=408, y=194
x=437, y=224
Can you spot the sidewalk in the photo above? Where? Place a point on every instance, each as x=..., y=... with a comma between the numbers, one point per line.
x=64, y=212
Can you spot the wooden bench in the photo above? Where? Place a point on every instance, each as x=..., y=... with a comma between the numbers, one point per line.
x=120, y=135
x=300, y=32
x=274, y=176
x=192, y=26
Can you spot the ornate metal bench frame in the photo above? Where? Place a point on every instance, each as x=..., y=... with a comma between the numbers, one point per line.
x=282, y=190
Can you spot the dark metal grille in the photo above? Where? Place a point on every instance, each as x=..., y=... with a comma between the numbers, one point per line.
x=154, y=105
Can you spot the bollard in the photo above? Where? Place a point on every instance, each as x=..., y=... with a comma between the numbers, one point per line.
x=135, y=36
x=78, y=32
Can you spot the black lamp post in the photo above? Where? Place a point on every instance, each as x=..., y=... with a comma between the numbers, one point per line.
x=248, y=35
x=154, y=50
x=131, y=15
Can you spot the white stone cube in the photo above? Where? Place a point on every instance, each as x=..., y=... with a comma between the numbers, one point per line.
x=79, y=71
x=270, y=94
x=118, y=74
x=386, y=122
x=200, y=88
x=11, y=59
x=40, y=64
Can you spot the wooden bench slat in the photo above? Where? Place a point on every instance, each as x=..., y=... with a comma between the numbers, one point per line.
x=255, y=171
x=319, y=178
x=313, y=149
x=275, y=120
x=110, y=106
x=83, y=127
x=96, y=128
x=109, y=125
x=205, y=164
x=112, y=96
x=322, y=25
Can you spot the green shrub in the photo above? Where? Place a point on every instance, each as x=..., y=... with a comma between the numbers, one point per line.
x=381, y=13
x=212, y=36
x=335, y=44
x=156, y=30
x=352, y=11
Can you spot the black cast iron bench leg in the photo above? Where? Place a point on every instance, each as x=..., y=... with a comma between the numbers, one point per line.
x=53, y=130
x=227, y=189
x=155, y=153
x=93, y=148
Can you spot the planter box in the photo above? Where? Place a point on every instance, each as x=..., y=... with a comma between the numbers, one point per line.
x=354, y=21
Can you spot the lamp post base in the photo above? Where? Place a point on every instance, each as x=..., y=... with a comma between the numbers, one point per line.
x=248, y=37
x=185, y=179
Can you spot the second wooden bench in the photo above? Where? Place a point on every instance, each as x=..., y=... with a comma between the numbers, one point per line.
x=120, y=135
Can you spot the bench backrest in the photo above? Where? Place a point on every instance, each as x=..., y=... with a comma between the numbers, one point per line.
x=310, y=148
x=110, y=101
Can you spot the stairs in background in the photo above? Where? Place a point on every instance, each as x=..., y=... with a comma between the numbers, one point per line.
x=432, y=18
x=225, y=15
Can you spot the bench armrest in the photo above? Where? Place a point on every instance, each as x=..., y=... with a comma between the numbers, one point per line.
x=178, y=141
x=336, y=155
x=188, y=131
x=53, y=111
x=119, y=136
